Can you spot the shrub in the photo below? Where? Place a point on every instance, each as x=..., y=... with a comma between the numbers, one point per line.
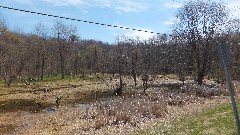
x=124, y=111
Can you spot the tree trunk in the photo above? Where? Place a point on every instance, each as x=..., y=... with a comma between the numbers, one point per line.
x=38, y=65
x=42, y=67
x=135, y=79
x=75, y=68
x=62, y=65
x=83, y=74
x=200, y=78
x=9, y=76
x=202, y=69
x=118, y=90
x=134, y=75
x=8, y=81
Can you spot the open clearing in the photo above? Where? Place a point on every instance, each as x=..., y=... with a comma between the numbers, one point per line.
x=89, y=107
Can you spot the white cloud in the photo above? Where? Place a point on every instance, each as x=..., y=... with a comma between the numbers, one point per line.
x=129, y=6
x=120, y=9
x=234, y=7
x=84, y=12
x=120, y=6
x=172, y=5
x=64, y=2
x=23, y=1
x=103, y=3
x=140, y=34
x=171, y=21
x=53, y=2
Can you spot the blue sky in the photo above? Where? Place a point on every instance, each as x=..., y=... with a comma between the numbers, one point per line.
x=151, y=15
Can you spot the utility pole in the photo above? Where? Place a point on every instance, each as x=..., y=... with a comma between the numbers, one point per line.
x=224, y=58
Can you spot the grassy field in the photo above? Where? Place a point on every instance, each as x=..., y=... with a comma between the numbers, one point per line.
x=215, y=121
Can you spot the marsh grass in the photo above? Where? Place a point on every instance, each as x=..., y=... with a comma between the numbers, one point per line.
x=214, y=121
x=89, y=106
x=125, y=111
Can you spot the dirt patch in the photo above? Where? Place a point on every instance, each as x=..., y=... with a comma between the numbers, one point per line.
x=13, y=105
x=6, y=129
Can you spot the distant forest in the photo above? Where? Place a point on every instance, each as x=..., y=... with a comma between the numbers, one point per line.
x=189, y=51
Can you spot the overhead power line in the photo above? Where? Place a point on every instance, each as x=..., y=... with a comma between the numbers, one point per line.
x=78, y=20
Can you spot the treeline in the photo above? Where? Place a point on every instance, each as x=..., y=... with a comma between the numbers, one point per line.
x=191, y=49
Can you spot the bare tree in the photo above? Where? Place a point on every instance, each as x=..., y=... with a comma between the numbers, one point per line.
x=3, y=44
x=65, y=35
x=181, y=51
x=200, y=21
x=94, y=57
x=233, y=39
x=42, y=36
x=15, y=57
x=132, y=46
x=147, y=63
x=121, y=63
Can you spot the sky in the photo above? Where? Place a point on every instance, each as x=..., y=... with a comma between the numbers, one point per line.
x=151, y=15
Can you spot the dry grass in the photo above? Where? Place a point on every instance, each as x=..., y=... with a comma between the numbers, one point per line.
x=89, y=108
x=124, y=111
x=87, y=117
x=176, y=115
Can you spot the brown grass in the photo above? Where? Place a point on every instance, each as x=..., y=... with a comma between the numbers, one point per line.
x=90, y=108
x=125, y=111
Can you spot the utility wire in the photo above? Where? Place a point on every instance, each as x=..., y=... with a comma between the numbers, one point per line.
x=73, y=19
